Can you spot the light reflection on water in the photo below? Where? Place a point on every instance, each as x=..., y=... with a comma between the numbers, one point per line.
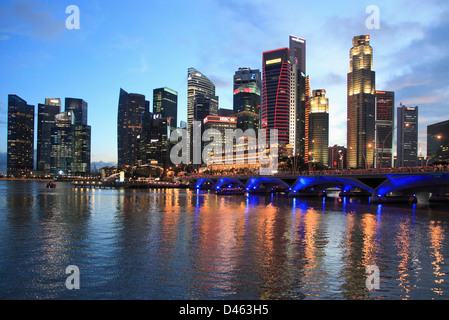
x=177, y=244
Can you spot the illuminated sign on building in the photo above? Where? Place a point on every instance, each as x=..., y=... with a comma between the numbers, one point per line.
x=273, y=61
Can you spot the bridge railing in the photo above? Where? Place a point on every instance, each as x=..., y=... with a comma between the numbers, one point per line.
x=403, y=170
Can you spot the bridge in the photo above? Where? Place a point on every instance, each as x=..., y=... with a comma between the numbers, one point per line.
x=382, y=186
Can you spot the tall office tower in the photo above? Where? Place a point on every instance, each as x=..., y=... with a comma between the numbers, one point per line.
x=221, y=124
x=61, y=154
x=130, y=108
x=45, y=121
x=361, y=105
x=275, y=109
x=165, y=103
x=319, y=128
x=152, y=143
x=407, y=139
x=247, y=86
x=20, y=147
x=337, y=157
x=438, y=142
x=201, y=100
x=79, y=109
x=384, y=129
x=299, y=97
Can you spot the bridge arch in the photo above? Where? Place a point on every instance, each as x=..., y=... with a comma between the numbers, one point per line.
x=204, y=183
x=412, y=184
x=346, y=184
x=228, y=182
x=254, y=183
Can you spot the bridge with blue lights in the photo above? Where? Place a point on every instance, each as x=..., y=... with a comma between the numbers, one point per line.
x=380, y=187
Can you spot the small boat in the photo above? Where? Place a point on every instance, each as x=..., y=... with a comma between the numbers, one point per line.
x=51, y=185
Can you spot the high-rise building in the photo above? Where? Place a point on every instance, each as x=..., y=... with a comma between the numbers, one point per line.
x=407, y=138
x=201, y=100
x=62, y=148
x=130, y=108
x=319, y=128
x=299, y=98
x=438, y=142
x=221, y=124
x=384, y=129
x=81, y=149
x=45, y=122
x=247, y=87
x=337, y=157
x=20, y=147
x=153, y=145
x=79, y=109
x=275, y=108
x=165, y=103
x=361, y=105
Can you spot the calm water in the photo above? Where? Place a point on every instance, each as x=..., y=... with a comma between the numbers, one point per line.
x=176, y=244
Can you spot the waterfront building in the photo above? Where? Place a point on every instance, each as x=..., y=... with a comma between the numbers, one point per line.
x=337, y=157
x=361, y=105
x=438, y=142
x=319, y=128
x=384, y=129
x=62, y=148
x=407, y=137
x=45, y=122
x=20, y=146
x=247, y=89
x=165, y=103
x=275, y=107
x=201, y=101
x=153, y=147
x=79, y=110
x=130, y=108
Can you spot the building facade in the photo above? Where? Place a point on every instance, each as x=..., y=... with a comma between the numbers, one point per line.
x=337, y=157
x=45, y=122
x=153, y=146
x=384, y=129
x=130, y=109
x=247, y=90
x=407, y=137
x=20, y=146
x=319, y=128
x=165, y=103
x=361, y=105
x=438, y=142
x=275, y=108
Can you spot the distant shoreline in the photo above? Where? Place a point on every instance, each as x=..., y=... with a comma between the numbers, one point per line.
x=22, y=179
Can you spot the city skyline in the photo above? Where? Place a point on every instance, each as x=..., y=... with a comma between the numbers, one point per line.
x=104, y=55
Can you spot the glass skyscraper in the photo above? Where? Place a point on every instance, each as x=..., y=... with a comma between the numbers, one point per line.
x=20, y=147
x=153, y=140
x=384, y=129
x=201, y=100
x=45, y=122
x=407, y=139
x=319, y=128
x=275, y=108
x=62, y=148
x=247, y=87
x=130, y=108
x=361, y=105
x=165, y=103
x=438, y=142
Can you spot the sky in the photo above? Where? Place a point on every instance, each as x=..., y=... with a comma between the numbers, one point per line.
x=142, y=45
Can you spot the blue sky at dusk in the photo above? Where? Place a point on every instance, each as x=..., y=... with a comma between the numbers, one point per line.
x=143, y=45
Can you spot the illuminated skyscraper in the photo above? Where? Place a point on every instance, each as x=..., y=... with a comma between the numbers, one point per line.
x=407, y=138
x=45, y=122
x=201, y=100
x=20, y=148
x=319, y=128
x=361, y=105
x=275, y=108
x=438, y=142
x=384, y=129
x=165, y=103
x=130, y=108
x=247, y=87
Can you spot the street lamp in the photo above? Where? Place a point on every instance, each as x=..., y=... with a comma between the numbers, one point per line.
x=369, y=145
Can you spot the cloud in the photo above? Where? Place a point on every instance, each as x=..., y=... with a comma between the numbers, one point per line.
x=29, y=19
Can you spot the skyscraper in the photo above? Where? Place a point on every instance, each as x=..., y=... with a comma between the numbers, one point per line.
x=407, y=139
x=438, y=142
x=165, y=103
x=20, y=147
x=79, y=109
x=45, y=122
x=62, y=149
x=384, y=129
x=299, y=98
x=247, y=87
x=152, y=141
x=275, y=108
x=319, y=128
x=361, y=105
x=130, y=108
x=201, y=100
